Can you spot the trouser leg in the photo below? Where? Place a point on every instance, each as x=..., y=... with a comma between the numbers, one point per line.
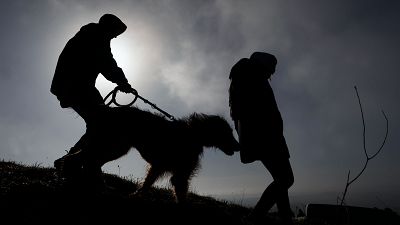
x=71, y=163
x=277, y=191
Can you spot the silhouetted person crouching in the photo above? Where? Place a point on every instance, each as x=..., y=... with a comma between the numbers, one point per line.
x=84, y=56
x=259, y=125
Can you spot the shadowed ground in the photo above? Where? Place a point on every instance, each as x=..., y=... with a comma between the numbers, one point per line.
x=35, y=195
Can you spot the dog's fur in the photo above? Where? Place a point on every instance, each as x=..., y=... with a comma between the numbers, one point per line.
x=173, y=147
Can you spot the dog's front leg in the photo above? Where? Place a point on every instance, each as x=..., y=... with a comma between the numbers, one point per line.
x=180, y=181
x=152, y=175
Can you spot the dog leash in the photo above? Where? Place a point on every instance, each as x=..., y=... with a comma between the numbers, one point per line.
x=113, y=95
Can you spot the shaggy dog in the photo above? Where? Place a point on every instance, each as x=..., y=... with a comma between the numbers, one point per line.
x=169, y=147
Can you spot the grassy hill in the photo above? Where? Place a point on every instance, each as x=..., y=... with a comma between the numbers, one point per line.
x=36, y=195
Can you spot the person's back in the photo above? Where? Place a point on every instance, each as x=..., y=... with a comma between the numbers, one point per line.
x=251, y=96
x=76, y=67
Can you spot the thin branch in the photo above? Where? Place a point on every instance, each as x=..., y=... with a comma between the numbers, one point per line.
x=368, y=158
x=386, y=135
x=346, y=188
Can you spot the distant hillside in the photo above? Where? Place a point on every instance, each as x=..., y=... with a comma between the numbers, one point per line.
x=35, y=195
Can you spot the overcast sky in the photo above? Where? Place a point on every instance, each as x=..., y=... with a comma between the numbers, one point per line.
x=178, y=54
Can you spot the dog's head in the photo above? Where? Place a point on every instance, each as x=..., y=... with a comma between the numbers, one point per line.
x=216, y=132
x=227, y=143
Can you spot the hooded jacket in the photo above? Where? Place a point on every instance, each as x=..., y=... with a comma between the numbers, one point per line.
x=84, y=56
x=255, y=112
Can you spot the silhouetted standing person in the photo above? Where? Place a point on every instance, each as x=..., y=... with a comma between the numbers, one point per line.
x=259, y=125
x=84, y=56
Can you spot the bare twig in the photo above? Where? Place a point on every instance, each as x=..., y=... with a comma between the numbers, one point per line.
x=368, y=158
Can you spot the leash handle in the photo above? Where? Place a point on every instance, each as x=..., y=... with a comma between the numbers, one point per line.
x=113, y=95
x=113, y=100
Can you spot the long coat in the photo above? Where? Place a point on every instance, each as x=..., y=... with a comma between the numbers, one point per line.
x=85, y=55
x=255, y=113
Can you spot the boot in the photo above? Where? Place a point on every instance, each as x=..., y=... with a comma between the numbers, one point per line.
x=69, y=165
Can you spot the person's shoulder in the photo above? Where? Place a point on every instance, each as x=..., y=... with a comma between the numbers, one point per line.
x=89, y=34
x=241, y=66
x=242, y=62
x=91, y=28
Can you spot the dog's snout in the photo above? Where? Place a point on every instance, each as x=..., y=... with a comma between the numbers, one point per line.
x=228, y=153
x=231, y=148
x=236, y=147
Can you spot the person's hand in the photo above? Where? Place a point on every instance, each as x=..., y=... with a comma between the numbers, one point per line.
x=126, y=88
